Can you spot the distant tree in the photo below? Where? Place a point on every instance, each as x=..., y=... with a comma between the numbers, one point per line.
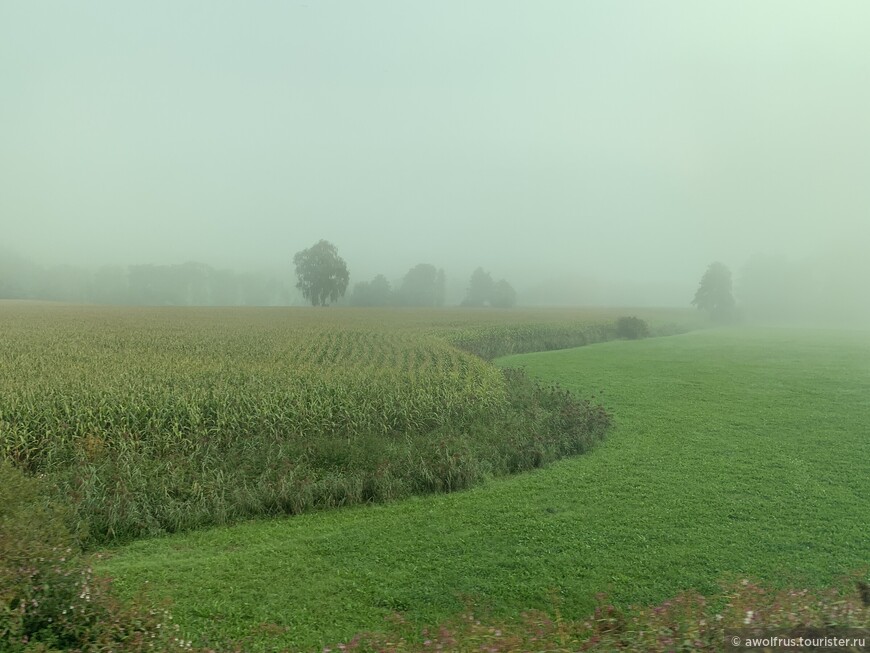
x=631, y=328
x=380, y=292
x=376, y=292
x=423, y=285
x=483, y=291
x=322, y=273
x=503, y=295
x=480, y=288
x=361, y=294
x=714, y=293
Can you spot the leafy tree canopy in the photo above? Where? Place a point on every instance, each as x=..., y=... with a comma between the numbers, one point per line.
x=423, y=285
x=714, y=293
x=480, y=288
x=503, y=295
x=483, y=291
x=376, y=292
x=322, y=273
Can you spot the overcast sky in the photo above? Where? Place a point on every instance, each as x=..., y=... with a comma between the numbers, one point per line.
x=622, y=140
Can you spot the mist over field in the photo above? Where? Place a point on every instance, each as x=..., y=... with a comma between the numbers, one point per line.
x=594, y=369
x=589, y=153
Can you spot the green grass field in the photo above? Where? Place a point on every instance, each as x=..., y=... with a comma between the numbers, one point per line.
x=736, y=453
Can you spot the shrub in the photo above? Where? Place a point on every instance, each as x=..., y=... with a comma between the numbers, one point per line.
x=631, y=328
x=50, y=599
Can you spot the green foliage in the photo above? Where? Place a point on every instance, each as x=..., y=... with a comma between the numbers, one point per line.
x=50, y=598
x=503, y=295
x=483, y=291
x=422, y=285
x=714, y=294
x=632, y=328
x=376, y=292
x=479, y=288
x=322, y=273
x=30, y=524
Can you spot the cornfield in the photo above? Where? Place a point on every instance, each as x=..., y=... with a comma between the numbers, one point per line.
x=153, y=420
x=71, y=389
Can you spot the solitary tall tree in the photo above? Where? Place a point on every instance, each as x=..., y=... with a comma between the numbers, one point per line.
x=322, y=273
x=714, y=293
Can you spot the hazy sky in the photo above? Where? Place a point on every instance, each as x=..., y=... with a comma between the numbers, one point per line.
x=628, y=140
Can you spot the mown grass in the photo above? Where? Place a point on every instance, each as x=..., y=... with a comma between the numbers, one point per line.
x=737, y=453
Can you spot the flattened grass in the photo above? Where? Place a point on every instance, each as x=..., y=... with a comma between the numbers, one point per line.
x=737, y=452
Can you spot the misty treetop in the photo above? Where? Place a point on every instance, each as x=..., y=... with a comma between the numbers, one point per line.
x=376, y=292
x=714, y=293
x=483, y=291
x=322, y=273
x=503, y=295
x=479, y=288
x=423, y=285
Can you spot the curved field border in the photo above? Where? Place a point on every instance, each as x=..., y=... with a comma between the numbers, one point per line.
x=737, y=452
x=159, y=420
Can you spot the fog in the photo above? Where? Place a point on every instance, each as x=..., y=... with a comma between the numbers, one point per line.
x=589, y=152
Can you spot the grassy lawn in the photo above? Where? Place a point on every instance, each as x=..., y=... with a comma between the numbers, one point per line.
x=736, y=452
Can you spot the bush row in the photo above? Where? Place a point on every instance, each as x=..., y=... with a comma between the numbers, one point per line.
x=492, y=341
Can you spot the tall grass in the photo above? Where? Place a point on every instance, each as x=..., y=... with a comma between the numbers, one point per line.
x=50, y=598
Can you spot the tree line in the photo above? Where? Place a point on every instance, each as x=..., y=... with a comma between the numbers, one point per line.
x=186, y=284
x=323, y=277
